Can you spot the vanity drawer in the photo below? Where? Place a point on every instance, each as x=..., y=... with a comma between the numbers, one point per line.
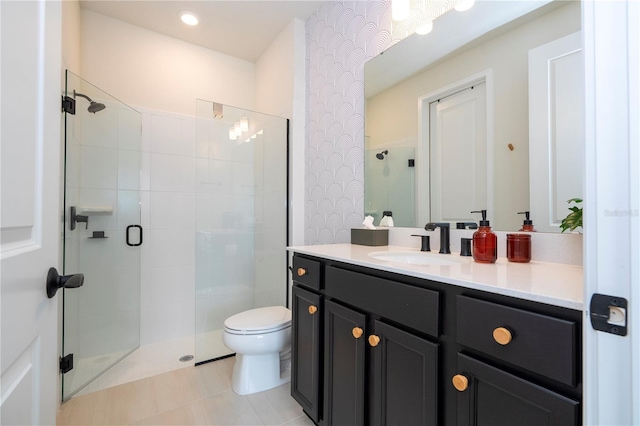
x=539, y=343
x=306, y=272
x=408, y=305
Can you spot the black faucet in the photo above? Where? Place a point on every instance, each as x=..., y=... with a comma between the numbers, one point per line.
x=444, y=235
x=425, y=244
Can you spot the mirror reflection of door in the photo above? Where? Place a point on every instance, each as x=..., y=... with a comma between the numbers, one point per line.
x=458, y=155
x=556, y=129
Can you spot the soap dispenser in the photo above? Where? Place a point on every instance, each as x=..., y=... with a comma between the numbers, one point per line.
x=485, y=241
x=527, y=225
x=387, y=219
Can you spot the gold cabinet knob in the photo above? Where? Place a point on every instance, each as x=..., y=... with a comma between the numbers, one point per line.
x=374, y=340
x=460, y=382
x=313, y=309
x=357, y=332
x=502, y=335
x=301, y=272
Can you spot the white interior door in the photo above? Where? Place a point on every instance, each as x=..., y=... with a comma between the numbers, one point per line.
x=30, y=121
x=458, y=137
x=556, y=129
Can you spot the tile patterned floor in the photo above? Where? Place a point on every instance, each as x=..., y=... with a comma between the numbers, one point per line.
x=188, y=396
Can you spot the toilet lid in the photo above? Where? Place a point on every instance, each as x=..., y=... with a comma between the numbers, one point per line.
x=260, y=319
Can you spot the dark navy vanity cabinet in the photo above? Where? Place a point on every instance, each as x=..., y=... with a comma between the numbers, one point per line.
x=372, y=347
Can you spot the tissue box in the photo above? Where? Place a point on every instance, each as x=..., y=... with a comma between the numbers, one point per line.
x=370, y=237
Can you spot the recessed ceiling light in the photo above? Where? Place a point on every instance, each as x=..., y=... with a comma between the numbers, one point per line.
x=189, y=18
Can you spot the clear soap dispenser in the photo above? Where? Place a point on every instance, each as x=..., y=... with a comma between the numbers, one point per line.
x=485, y=241
x=527, y=225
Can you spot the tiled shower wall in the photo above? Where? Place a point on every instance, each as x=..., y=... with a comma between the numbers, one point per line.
x=178, y=171
x=341, y=37
x=168, y=194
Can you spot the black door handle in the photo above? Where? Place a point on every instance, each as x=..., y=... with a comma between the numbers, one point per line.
x=55, y=281
x=128, y=240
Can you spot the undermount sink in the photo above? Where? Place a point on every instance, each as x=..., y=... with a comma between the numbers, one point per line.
x=418, y=258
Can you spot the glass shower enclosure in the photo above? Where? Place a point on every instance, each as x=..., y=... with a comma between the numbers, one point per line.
x=102, y=233
x=241, y=218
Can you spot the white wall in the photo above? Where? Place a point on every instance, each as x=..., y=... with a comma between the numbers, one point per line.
x=71, y=36
x=281, y=91
x=392, y=115
x=141, y=67
x=274, y=75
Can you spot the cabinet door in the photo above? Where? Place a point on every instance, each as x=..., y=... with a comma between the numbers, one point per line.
x=496, y=398
x=306, y=346
x=344, y=370
x=405, y=378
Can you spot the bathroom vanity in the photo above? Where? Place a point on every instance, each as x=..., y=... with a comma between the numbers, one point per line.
x=448, y=342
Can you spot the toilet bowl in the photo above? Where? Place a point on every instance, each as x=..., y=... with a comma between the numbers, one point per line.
x=261, y=339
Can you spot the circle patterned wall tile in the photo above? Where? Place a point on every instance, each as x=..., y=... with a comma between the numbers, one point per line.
x=341, y=36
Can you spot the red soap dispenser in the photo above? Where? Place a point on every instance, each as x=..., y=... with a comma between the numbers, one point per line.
x=485, y=241
x=527, y=225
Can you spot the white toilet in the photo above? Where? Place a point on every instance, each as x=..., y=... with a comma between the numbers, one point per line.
x=261, y=339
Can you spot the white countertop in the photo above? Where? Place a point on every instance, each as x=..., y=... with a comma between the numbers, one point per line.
x=551, y=283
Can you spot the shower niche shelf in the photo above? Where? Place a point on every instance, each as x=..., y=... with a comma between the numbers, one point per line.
x=97, y=235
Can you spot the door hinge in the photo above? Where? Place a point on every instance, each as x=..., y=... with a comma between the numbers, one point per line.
x=66, y=363
x=608, y=314
x=69, y=105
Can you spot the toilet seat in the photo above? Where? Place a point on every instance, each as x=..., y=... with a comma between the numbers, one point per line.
x=259, y=321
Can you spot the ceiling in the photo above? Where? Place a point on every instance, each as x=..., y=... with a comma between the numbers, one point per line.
x=240, y=28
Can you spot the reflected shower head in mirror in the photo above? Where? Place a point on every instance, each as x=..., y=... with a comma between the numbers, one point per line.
x=93, y=106
x=380, y=156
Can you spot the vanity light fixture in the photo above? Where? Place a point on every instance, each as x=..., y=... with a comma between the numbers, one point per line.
x=400, y=9
x=463, y=5
x=189, y=18
x=244, y=124
x=237, y=129
x=425, y=27
x=232, y=133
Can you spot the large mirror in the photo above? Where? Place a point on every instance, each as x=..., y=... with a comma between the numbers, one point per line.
x=482, y=113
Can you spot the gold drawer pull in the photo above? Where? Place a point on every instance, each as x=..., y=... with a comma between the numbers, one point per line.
x=460, y=382
x=502, y=336
x=313, y=309
x=374, y=340
x=357, y=332
x=301, y=272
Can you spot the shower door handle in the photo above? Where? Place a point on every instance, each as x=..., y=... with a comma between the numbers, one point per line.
x=129, y=233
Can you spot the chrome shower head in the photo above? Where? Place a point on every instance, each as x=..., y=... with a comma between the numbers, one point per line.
x=380, y=156
x=93, y=106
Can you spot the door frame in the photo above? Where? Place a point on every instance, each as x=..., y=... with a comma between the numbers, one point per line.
x=423, y=180
x=611, y=42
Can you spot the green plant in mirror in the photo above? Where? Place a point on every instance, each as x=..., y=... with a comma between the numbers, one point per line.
x=573, y=219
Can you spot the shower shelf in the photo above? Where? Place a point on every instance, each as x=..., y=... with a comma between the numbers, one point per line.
x=98, y=235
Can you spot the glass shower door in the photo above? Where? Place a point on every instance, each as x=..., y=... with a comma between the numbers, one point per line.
x=102, y=236
x=241, y=218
